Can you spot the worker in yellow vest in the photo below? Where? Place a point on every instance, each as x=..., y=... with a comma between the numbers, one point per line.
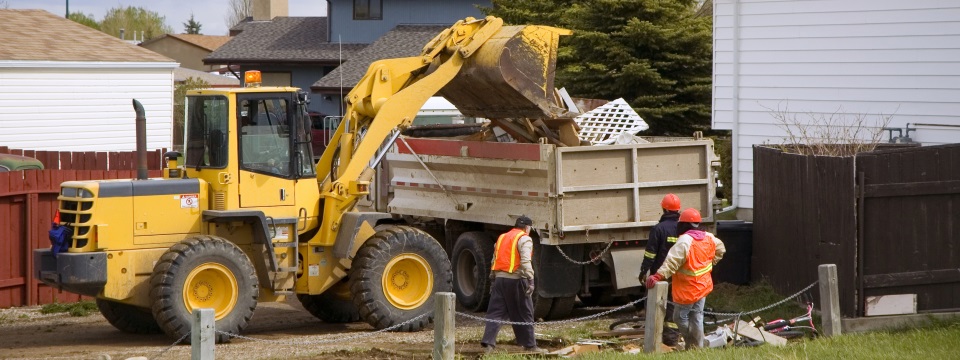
x=513, y=286
x=690, y=262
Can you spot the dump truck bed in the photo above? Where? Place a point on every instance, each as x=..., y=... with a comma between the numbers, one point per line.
x=583, y=194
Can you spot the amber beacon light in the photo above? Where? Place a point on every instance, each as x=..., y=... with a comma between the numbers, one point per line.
x=251, y=78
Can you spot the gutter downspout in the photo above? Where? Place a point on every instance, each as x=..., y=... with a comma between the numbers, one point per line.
x=735, y=129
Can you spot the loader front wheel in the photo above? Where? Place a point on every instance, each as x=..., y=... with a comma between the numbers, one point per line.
x=394, y=276
x=332, y=306
x=128, y=318
x=204, y=272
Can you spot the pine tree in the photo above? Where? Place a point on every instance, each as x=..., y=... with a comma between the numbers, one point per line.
x=192, y=26
x=656, y=54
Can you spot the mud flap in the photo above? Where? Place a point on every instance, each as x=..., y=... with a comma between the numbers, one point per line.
x=565, y=278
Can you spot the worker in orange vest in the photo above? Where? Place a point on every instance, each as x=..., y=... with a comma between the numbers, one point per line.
x=662, y=237
x=690, y=262
x=513, y=286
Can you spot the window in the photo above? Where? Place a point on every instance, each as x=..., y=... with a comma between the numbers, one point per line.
x=265, y=140
x=206, y=140
x=368, y=9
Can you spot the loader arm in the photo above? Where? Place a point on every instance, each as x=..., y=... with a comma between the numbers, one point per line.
x=392, y=91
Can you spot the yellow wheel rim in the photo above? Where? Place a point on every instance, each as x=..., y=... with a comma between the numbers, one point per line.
x=407, y=281
x=211, y=286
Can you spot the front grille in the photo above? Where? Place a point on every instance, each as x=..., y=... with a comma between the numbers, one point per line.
x=219, y=200
x=75, y=212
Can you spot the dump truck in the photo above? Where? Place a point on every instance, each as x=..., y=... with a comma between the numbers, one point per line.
x=244, y=215
x=592, y=206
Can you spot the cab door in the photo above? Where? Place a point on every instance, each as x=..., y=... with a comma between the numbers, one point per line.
x=266, y=138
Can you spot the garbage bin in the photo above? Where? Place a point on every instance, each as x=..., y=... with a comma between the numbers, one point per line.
x=737, y=236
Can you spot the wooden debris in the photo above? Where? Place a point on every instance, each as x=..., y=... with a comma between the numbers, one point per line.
x=575, y=350
x=560, y=132
x=743, y=328
x=618, y=332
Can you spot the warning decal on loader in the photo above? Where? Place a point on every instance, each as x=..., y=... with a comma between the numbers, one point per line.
x=189, y=201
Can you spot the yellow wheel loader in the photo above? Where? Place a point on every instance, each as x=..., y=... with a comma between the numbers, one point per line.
x=244, y=215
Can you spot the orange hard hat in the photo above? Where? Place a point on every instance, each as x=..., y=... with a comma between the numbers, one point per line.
x=670, y=202
x=690, y=215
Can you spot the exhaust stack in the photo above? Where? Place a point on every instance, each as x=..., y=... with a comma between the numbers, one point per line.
x=141, y=122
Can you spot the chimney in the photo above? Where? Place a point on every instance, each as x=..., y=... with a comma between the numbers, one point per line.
x=269, y=9
x=121, y=34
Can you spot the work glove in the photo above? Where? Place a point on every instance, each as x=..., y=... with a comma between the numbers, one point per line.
x=643, y=276
x=652, y=280
x=528, y=286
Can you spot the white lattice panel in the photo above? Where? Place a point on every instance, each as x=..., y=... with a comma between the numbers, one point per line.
x=603, y=124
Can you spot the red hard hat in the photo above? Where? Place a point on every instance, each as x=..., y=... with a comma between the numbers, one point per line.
x=690, y=215
x=670, y=202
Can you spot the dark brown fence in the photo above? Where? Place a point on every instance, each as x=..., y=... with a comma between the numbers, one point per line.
x=888, y=219
x=28, y=201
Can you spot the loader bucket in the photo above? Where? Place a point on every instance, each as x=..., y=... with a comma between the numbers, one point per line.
x=510, y=76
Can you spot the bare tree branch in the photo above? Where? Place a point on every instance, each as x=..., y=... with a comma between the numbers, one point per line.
x=237, y=10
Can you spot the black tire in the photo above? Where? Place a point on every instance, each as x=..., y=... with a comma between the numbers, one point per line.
x=203, y=259
x=562, y=306
x=128, y=318
x=541, y=306
x=333, y=306
x=472, y=255
x=399, y=246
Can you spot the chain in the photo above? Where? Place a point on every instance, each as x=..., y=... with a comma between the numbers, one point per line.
x=326, y=341
x=765, y=308
x=585, y=318
x=588, y=262
x=171, y=346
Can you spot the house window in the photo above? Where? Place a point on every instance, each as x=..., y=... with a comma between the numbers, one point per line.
x=368, y=9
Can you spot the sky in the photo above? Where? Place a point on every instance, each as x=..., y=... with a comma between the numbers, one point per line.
x=209, y=13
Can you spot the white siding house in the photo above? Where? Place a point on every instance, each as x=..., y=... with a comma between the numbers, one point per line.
x=67, y=87
x=872, y=58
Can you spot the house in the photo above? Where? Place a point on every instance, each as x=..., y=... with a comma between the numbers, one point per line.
x=867, y=58
x=65, y=86
x=187, y=49
x=364, y=21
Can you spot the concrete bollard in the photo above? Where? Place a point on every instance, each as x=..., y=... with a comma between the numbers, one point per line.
x=444, y=326
x=203, y=335
x=829, y=300
x=656, y=310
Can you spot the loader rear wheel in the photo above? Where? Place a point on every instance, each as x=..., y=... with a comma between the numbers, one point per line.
x=333, y=306
x=394, y=276
x=472, y=255
x=128, y=318
x=204, y=272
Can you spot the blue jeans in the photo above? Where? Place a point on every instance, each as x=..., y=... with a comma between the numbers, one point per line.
x=689, y=319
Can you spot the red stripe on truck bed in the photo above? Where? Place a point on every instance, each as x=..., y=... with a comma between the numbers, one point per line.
x=474, y=149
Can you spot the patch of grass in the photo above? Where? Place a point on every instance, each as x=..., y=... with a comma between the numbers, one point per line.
x=732, y=298
x=577, y=331
x=4, y=318
x=80, y=308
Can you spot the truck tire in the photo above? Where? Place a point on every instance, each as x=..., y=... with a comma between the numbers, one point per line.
x=471, y=269
x=394, y=276
x=204, y=272
x=128, y=318
x=333, y=306
x=552, y=308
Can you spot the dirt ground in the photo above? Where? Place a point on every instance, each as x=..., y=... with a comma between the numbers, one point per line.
x=27, y=334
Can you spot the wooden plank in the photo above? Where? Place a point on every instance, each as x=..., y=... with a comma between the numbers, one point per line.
x=568, y=133
x=102, y=161
x=914, y=188
x=656, y=310
x=744, y=329
x=898, y=304
x=517, y=132
x=5, y=283
x=912, y=278
x=829, y=299
x=445, y=330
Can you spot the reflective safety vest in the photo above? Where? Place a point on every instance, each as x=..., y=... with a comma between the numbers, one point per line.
x=506, y=256
x=693, y=281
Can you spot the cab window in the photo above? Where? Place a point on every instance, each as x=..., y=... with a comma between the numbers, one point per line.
x=206, y=139
x=265, y=138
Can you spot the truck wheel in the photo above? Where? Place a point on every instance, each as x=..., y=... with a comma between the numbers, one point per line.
x=128, y=318
x=394, y=276
x=204, y=272
x=552, y=308
x=333, y=306
x=471, y=269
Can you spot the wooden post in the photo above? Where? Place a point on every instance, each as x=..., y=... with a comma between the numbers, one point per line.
x=444, y=327
x=656, y=309
x=829, y=300
x=203, y=335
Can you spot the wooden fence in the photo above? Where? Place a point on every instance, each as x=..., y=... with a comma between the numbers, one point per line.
x=888, y=219
x=28, y=201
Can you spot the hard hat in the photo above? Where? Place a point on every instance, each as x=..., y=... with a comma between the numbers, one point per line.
x=523, y=220
x=670, y=202
x=690, y=215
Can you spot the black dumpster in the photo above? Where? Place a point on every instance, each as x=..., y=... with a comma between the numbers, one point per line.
x=737, y=236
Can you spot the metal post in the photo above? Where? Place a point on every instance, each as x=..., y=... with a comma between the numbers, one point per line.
x=444, y=327
x=203, y=335
x=656, y=310
x=829, y=300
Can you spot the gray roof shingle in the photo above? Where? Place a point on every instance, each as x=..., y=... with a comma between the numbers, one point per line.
x=282, y=40
x=402, y=41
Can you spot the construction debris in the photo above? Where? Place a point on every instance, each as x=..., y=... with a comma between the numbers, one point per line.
x=603, y=124
x=743, y=328
x=576, y=350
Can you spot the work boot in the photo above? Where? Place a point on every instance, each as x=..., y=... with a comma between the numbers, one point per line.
x=488, y=349
x=534, y=349
x=671, y=337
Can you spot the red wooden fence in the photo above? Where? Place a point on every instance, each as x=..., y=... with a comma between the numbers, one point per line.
x=28, y=201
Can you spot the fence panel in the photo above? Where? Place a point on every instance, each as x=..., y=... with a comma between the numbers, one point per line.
x=911, y=204
x=804, y=215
